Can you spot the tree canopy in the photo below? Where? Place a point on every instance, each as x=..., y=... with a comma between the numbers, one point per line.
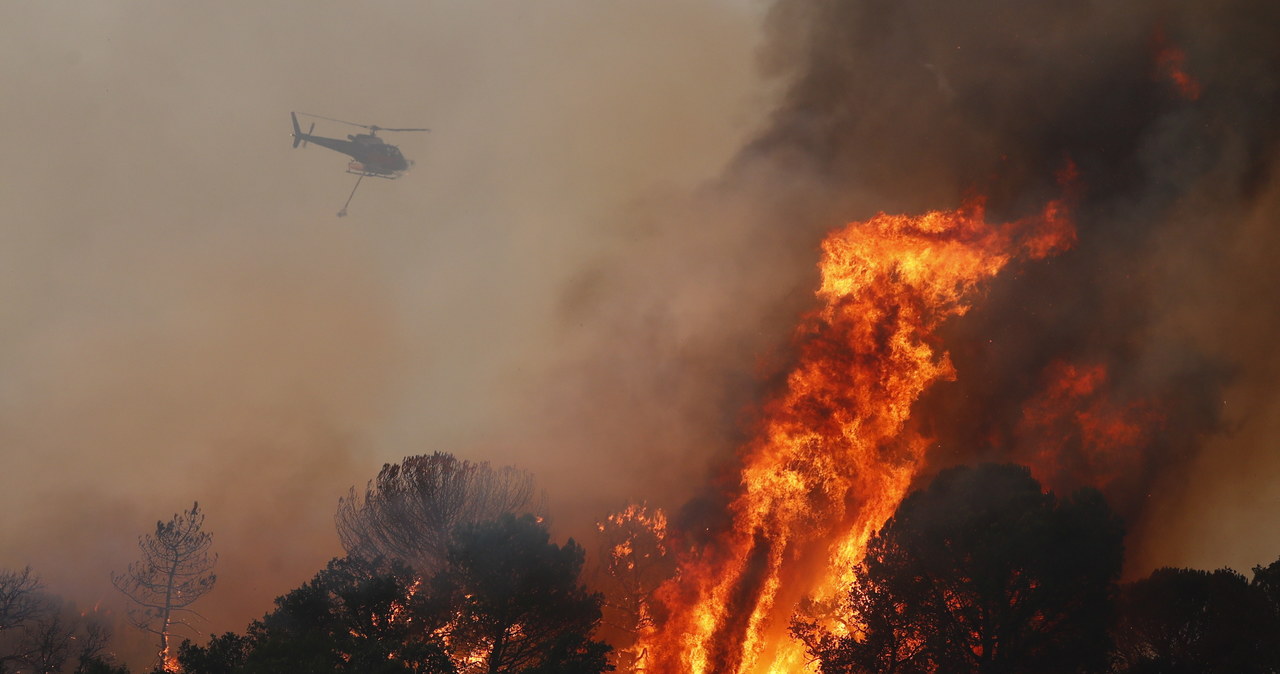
x=507, y=600
x=981, y=572
x=175, y=570
x=1186, y=621
x=39, y=632
x=352, y=617
x=514, y=601
x=409, y=512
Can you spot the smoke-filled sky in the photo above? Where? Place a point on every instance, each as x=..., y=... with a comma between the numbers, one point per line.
x=182, y=316
x=595, y=265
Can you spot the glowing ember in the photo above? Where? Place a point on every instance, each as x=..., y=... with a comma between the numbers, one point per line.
x=400, y=608
x=1171, y=64
x=835, y=452
x=474, y=658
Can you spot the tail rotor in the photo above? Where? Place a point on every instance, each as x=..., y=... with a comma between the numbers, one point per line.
x=298, y=135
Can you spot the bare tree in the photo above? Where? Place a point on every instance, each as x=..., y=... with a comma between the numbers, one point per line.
x=50, y=642
x=22, y=605
x=408, y=513
x=93, y=645
x=39, y=632
x=20, y=598
x=175, y=570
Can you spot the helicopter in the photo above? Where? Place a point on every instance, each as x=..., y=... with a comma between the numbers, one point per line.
x=371, y=157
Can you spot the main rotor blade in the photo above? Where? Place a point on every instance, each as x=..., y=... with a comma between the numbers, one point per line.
x=372, y=127
x=331, y=119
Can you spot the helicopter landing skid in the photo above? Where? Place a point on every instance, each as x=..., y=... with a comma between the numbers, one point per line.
x=356, y=168
x=363, y=174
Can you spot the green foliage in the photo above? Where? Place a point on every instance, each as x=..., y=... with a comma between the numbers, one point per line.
x=354, y=616
x=512, y=597
x=508, y=600
x=982, y=572
x=224, y=654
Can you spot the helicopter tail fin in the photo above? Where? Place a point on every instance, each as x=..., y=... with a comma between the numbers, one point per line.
x=297, y=130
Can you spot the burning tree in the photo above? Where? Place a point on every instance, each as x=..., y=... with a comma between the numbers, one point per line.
x=513, y=602
x=837, y=450
x=981, y=572
x=507, y=601
x=408, y=513
x=633, y=563
x=175, y=570
x=353, y=616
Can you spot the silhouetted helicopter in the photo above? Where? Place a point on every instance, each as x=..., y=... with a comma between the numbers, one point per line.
x=370, y=155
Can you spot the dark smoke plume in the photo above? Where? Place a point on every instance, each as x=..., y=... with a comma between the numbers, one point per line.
x=1166, y=110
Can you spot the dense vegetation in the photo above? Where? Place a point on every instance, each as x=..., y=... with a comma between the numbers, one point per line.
x=980, y=572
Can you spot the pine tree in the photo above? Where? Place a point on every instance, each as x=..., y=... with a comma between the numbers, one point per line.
x=175, y=570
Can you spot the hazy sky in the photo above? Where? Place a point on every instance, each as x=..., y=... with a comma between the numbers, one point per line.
x=570, y=279
x=183, y=317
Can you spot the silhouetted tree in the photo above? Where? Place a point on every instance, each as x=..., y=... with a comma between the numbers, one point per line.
x=511, y=602
x=43, y=633
x=352, y=617
x=20, y=599
x=93, y=657
x=21, y=605
x=225, y=654
x=1267, y=580
x=982, y=572
x=408, y=513
x=1186, y=621
x=507, y=601
x=99, y=665
x=175, y=570
x=51, y=643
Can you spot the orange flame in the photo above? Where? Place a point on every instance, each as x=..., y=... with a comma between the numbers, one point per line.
x=1075, y=411
x=835, y=452
x=636, y=551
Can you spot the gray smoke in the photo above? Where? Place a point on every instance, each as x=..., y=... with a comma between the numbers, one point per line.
x=183, y=318
x=909, y=106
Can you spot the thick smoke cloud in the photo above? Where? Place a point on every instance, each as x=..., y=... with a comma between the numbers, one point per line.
x=183, y=318
x=909, y=106
x=922, y=101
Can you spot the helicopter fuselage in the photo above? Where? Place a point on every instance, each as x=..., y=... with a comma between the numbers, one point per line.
x=372, y=156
